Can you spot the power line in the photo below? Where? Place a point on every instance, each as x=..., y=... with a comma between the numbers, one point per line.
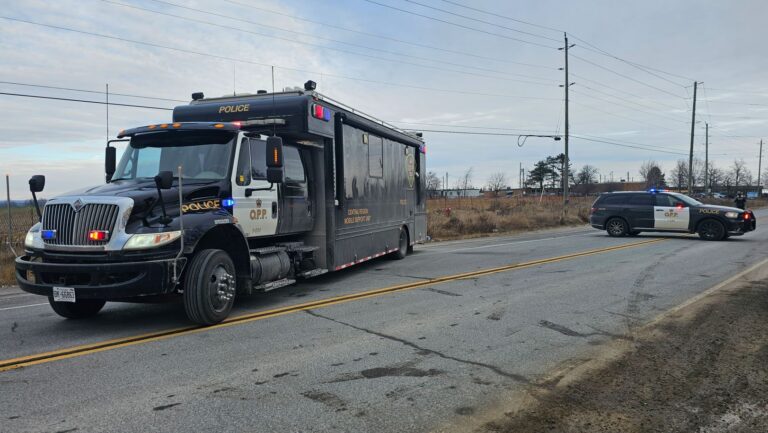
x=87, y=101
x=630, y=108
x=579, y=137
x=251, y=62
x=582, y=78
x=626, y=76
x=70, y=89
x=461, y=25
x=468, y=127
x=622, y=117
x=505, y=17
x=482, y=21
x=590, y=46
x=387, y=38
x=399, y=62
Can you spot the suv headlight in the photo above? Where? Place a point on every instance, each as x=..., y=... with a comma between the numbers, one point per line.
x=733, y=215
x=151, y=240
x=29, y=239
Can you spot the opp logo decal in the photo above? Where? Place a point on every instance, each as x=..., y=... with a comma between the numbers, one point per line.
x=198, y=206
x=410, y=169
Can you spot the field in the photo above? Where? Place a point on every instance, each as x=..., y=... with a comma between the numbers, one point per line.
x=447, y=219
x=473, y=217
x=22, y=218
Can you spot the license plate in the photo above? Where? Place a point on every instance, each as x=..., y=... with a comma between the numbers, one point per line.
x=64, y=294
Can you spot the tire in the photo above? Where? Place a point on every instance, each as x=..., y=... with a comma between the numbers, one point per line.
x=633, y=233
x=711, y=230
x=402, y=245
x=209, y=287
x=616, y=227
x=81, y=309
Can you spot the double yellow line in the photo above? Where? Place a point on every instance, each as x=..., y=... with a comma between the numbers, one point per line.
x=86, y=349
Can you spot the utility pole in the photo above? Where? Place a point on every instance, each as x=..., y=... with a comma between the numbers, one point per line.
x=706, y=160
x=759, y=167
x=690, y=154
x=566, y=160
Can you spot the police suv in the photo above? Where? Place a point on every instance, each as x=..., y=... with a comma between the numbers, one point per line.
x=629, y=213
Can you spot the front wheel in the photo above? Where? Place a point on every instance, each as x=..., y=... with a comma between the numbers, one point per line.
x=209, y=287
x=80, y=309
x=712, y=230
x=616, y=227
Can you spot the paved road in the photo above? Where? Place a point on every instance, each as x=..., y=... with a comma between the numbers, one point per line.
x=411, y=360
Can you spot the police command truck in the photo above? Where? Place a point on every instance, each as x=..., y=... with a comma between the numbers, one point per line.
x=234, y=195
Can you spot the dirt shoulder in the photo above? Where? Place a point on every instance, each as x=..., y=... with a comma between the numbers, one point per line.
x=702, y=367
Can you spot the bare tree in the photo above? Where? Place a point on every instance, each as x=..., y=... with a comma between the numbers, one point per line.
x=433, y=183
x=651, y=173
x=645, y=168
x=679, y=174
x=465, y=182
x=496, y=182
x=587, y=175
x=739, y=173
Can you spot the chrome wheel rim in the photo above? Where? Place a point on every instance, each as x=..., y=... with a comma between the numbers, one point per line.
x=221, y=286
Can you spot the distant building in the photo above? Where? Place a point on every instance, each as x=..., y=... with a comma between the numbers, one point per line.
x=458, y=193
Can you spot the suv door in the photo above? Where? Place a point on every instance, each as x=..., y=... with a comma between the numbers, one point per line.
x=640, y=210
x=670, y=213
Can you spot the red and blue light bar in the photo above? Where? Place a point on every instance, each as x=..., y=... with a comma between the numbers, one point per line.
x=320, y=112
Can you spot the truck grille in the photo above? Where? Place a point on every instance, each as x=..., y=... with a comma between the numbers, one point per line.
x=72, y=227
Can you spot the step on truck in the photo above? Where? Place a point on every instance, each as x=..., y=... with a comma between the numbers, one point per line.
x=238, y=194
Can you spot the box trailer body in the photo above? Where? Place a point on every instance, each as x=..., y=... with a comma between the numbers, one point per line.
x=349, y=189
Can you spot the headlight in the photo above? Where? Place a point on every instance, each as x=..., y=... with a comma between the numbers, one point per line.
x=29, y=239
x=732, y=215
x=151, y=240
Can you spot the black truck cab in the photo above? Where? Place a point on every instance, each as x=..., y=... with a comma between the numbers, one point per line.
x=235, y=195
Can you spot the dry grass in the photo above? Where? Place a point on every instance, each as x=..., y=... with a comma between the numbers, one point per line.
x=22, y=218
x=485, y=216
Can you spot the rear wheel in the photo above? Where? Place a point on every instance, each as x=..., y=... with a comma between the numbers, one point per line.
x=81, y=309
x=616, y=227
x=209, y=287
x=712, y=230
x=402, y=245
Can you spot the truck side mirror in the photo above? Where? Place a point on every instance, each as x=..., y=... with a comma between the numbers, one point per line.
x=37, y=183
x=164, y=180
x=275, y=172
x=110, y=161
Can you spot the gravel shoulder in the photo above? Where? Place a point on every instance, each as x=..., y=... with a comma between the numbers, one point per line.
x=702, y=367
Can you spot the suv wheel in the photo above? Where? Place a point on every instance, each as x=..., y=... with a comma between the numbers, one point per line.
x=616, y=227
x=711, y=230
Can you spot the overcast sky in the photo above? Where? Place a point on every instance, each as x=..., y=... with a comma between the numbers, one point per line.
x=483, y=73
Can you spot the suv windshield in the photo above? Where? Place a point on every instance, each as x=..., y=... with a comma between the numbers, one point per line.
x=202, y=154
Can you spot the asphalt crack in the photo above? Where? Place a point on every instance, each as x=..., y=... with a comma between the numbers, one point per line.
x=425, y=351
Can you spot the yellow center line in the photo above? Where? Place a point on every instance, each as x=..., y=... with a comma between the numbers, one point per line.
x=86, y=349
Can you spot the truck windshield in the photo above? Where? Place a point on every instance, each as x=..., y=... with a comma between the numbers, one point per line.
x=203, y=155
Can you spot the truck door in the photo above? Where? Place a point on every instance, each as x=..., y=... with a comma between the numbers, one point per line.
x=296, y=205
x=257, y=214
x=671, y=213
